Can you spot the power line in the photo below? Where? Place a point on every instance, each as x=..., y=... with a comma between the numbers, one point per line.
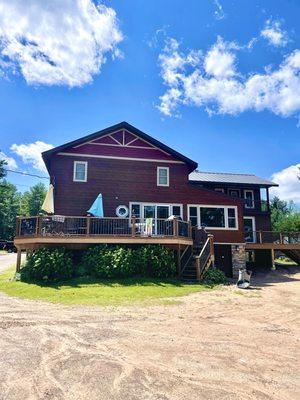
x=25, y=173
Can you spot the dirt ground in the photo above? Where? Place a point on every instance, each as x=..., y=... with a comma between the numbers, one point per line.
x=223, y=344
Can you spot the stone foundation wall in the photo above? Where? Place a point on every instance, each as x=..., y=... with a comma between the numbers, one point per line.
x=238, y=258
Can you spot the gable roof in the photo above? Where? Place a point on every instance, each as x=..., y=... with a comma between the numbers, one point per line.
x=218, y=177
x=122, y=125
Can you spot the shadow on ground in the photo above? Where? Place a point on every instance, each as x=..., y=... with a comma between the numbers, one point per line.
x=282, y=274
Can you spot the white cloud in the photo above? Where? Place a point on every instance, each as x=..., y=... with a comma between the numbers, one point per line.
x=274, y=34
x=212, y=81
x=288, y=180
x=31, y=153
x=57, y=42
x=219, y=13
x=11, y=162
x=219, y=60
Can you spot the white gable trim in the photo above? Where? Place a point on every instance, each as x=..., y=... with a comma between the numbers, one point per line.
x=120, y=144
x=120, y=158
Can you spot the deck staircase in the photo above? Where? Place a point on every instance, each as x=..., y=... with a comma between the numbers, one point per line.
x=199, y=258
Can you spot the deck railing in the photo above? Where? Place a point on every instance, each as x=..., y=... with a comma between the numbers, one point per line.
x=266, y=237
x=205, y=258
x=65, y=226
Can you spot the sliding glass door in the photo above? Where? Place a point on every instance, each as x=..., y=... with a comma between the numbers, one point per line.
x=156, y=212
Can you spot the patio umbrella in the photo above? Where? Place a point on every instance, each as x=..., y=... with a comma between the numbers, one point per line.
x=48, y=204
x=97, y=207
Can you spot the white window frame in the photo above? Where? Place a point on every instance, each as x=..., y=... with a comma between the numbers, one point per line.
x=220, y=190
x=226, y=228
x=245, y=198
x=142, y=204
x=253, y=227
x=168, y=176
x=74, y=171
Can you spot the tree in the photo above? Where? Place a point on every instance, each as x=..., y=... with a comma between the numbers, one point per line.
x=284, y=216
x=32, y=200
x=290, y=223
x=279, y=210
x=3, y=163
x=10, y=200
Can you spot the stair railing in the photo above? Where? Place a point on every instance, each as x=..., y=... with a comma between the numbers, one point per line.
x=185, y=258
x=206, y=258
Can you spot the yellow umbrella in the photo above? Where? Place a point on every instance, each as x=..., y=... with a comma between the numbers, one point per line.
x=48, y=204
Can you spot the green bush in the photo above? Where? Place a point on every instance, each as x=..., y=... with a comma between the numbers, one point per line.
x=122, y=262
x=106, y=262
x=214, y=276
x=48, y=264
x=156, y=261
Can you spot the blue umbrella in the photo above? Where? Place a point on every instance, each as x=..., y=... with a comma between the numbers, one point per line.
x=97, y=207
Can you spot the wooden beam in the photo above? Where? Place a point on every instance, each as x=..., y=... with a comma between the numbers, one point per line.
x=268, y=199
x=23, y=242
x=178, y=260
x=18, y=263
x=275, y=246
x=273, y=259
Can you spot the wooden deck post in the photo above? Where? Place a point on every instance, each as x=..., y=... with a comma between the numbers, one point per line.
x=175, y=227
x=273, y=259
x=37, y=226
x=189, y=229
x=18, y=264
x=198, y=269
x=133, y=223
x=178, y=260
x=212, y=249
x=88, y=226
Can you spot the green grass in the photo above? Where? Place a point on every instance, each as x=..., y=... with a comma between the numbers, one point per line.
x=88, y=291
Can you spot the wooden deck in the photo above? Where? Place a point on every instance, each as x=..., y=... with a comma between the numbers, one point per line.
x=273, y=240
x=79, y=232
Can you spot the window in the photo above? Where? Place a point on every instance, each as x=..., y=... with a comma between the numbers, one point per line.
x=193, y=211
x=122, y=211
x=250, y=256
x=221, y=190
x=135, y=210
x=153, y=210
x=162, y=176
x=214, y=217
x=234, y=192
x=249, y=197
x=231, y=218
x=80, y=171
x=176, y=210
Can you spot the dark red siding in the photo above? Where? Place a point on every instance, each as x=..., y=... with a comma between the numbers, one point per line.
x=122, y=181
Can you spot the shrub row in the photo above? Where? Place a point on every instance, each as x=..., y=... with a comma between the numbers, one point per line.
x=100, y=261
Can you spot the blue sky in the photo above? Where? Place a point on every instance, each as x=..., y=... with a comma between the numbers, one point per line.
x=180, y=71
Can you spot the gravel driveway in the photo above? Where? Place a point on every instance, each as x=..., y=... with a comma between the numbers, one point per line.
x=8, y=259
x=223, y=344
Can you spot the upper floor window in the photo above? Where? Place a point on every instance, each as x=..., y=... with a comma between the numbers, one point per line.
x=234, y=192
x=80, y=171
x=162, y=176
x=249, y=197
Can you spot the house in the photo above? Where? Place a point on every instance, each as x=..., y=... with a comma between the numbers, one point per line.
x=141, y=180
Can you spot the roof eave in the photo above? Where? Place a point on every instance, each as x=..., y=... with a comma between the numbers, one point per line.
x=271, y=184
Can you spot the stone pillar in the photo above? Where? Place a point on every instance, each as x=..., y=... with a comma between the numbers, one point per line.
x=238, y=258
